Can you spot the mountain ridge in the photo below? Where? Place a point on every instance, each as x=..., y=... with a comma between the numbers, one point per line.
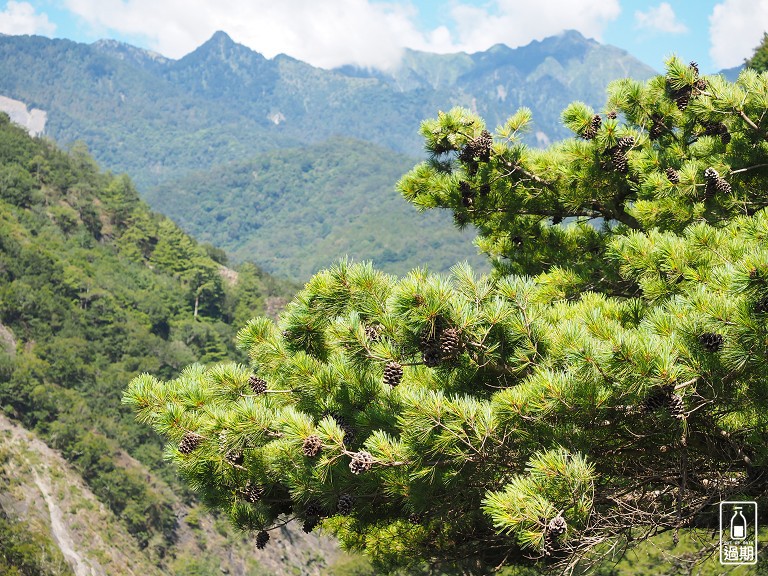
x=164, y=121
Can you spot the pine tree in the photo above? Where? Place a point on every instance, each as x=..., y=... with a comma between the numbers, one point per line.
x=759, y=59
x=604, y=384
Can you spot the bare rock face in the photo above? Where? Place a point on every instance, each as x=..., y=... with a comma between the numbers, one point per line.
x=33, y=120
x=7, y=341
x=38, y=486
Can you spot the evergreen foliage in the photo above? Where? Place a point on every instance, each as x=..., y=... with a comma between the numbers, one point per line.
x=759, y=59
x=605, y=384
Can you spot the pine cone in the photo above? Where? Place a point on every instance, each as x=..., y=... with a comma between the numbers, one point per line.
x=658, y=398
x=393, y=374
x=550, y=544
x=711, y=176
x=345, y=504
x=619, y=160
x=346, y=427
x=711, y=342
x=261, y=539
x=591, y=130
x=557, y=526
x=313, y=510
x=612, y=115
x=695, y=67
x=361, y=462
x=682, y=97
x=312, y=445
x=625, y=142
x=673, y=175
x=373, y=332
x=722, y=187
x=258, y=385
x=235, y=457
x=477, y=149
x=310, y=524
x=414, y=518
x=700, y=85
x=676, y=406
x=449, y=343
x=717, y=129
x=483, y=144
x=714, y=128
x=432, y=356
x=251, y=492
x=715, y=184
x=189, y=442
x=657, y=127
x=429, y=343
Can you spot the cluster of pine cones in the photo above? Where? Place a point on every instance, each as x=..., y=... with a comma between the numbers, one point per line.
x=476, y=150
x=715, y=184
x=682, y=96
x=438, y=344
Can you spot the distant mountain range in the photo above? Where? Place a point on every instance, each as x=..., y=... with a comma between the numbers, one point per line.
x=165, y=122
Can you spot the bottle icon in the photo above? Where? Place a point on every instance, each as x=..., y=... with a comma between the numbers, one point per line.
x=738, y=524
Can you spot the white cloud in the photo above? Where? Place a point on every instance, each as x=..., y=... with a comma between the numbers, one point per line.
x=329, y=33
x=325, y=33
x=20, y=18
x=735, y=29
x=517, y=22
x=662, y=18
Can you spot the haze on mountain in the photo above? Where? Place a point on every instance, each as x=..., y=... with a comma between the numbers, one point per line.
x=183, y=128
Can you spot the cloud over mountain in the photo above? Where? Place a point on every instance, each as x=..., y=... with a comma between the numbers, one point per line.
x=337, y=32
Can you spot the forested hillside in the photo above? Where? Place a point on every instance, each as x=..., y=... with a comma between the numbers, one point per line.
x=96, y=288
x=291, y=210
x=178, y=125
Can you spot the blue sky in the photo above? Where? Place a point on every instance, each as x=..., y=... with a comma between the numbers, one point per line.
x=716, y=33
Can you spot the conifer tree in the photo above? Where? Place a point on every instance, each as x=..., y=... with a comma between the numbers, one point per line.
x=606, y=383
x=759, y=59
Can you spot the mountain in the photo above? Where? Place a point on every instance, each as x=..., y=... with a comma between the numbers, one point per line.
x=168, y=122
x=295, y=210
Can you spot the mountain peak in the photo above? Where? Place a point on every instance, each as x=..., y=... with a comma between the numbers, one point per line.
x=220, y=37
x=220, y=46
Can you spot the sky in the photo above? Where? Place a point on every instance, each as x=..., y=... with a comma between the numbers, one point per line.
x=717, y=34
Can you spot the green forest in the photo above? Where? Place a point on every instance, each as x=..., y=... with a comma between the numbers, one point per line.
x=338, y=198
x=94, y=289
